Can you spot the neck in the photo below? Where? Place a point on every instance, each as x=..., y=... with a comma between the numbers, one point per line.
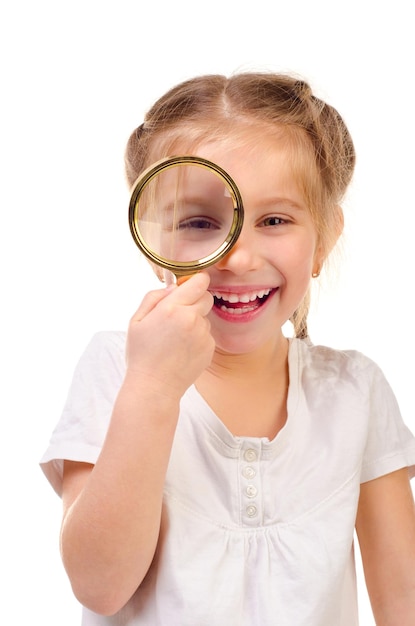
x=233, y=384
x=268, y=361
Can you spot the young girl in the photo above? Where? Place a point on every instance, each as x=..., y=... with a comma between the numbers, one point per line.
x=212, y=470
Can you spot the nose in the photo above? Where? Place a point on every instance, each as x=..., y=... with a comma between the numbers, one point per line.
x=243, y=256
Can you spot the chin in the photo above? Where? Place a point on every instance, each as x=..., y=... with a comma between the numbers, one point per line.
x=234, y=344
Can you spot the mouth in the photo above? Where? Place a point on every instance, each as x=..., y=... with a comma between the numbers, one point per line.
x=241, y=303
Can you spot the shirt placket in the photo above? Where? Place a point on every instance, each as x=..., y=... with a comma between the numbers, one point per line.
x=250, y=496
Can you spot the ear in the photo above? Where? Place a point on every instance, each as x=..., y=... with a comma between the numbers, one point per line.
x=339, y=222
x=327, y=243
x=158, y=271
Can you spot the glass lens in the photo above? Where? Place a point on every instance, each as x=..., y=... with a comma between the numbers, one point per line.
x=184, y=213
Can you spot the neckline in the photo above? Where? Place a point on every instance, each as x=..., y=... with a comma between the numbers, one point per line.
x=230, y=444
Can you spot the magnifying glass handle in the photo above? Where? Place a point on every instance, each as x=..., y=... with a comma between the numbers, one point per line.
x=170, y=278
x=182, y=279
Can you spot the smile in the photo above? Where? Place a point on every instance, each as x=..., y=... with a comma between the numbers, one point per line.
x=241, y=303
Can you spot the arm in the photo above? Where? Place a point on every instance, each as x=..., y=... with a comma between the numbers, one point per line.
x=112, y=510
x=386, y=532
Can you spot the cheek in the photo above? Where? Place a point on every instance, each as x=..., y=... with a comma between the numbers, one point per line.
x=303, y=264
x=294, y=257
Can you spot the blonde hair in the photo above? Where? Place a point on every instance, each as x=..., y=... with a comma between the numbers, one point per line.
x=211, y=106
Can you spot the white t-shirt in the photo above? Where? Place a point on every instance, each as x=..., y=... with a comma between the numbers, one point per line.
x=254, y=532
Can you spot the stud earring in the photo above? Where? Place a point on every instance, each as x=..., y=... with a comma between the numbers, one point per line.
x=316, y=274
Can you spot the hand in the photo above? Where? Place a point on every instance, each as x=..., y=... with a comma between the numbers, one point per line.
x=169, y=342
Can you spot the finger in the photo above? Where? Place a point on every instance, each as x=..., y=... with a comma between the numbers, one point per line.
x=193, y=289
x=205, y=304
x=150, y=301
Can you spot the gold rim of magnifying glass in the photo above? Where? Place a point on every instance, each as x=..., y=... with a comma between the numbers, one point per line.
x=181, y=268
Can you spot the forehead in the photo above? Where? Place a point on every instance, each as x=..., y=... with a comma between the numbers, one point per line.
x=263, y=168
x=241, y=148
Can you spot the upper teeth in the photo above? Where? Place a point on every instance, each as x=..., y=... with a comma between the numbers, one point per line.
x=233, y=298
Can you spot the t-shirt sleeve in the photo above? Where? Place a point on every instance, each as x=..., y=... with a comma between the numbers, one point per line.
x=390, y=444
x=80, y=432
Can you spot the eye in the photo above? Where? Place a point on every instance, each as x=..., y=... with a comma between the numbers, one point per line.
x=273, y=220
x=197, y=223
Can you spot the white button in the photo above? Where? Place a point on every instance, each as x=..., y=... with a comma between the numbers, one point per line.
x=250, y=455
x=248, y=472
x=251, y=510
x=251, y=491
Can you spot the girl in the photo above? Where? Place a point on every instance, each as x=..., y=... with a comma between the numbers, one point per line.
x=212, y=470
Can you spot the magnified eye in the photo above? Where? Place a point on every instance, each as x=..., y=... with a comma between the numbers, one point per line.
x=198, y=223
x=185, y=210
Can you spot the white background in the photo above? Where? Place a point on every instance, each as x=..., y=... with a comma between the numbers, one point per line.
x=76, y=78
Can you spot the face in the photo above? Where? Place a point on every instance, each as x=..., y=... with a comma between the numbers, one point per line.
x=265, y=276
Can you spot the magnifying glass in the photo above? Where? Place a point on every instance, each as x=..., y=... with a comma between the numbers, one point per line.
x=185, y=214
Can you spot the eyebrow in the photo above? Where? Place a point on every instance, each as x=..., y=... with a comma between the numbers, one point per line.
x=195, y=199
x=278, y=201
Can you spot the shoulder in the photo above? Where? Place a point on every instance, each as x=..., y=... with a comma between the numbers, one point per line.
x=105, y=347
x=107, y=341
x=329, y=362
x=102, y=363
x=341, y=374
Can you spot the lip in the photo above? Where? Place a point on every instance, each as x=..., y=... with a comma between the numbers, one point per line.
x=241, y=304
